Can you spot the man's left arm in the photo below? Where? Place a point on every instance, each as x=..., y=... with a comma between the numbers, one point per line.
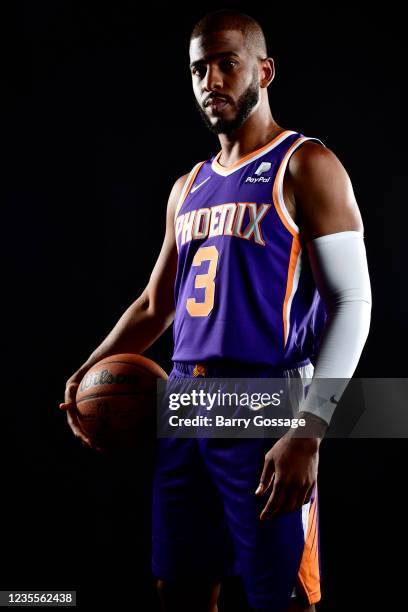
x=318, y=187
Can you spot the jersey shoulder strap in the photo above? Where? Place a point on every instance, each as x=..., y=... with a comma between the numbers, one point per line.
x=277, y=190
x=187, y=186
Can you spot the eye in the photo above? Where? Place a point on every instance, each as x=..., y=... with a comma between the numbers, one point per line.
x=229, y=64
x=198, y=71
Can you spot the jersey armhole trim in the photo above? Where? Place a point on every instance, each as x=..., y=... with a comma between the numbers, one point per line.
x=186, y=188
x=292, y=283
x=277, y=189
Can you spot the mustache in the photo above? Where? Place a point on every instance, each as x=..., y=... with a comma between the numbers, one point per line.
x=211, y=96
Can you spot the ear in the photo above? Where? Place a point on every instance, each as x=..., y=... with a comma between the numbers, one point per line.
x=267, y=71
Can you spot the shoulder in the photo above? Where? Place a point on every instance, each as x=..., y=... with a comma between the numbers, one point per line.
x=178, y=186
x=175, y=195
x=312, y=162
x=321, y=190
x=183, y=182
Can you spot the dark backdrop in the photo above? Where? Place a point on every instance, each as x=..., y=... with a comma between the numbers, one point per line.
x=98, y=121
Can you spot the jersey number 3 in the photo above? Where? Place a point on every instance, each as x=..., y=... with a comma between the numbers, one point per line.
x=204, y=281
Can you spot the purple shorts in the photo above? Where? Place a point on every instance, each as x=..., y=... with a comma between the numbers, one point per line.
x=206, y=516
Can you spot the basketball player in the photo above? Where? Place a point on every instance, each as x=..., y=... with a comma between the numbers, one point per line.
x=262, y=270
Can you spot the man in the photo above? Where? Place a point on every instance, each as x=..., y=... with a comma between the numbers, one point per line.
x=264, y=252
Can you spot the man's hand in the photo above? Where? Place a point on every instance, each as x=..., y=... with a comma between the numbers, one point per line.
x=69, y=405
x=289, y=473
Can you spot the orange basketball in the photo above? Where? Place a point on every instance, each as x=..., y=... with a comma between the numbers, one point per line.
x=116, y=400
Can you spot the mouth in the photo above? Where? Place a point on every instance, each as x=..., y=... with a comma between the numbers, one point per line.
x=216, y=104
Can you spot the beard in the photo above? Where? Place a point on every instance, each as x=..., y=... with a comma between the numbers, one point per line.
x=245, y=103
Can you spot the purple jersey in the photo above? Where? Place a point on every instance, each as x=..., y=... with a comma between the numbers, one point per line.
x=244, y=289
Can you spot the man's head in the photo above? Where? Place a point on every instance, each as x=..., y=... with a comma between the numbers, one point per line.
x=229, y=68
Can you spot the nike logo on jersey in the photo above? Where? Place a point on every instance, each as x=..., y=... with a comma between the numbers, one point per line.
x=241, y=219
x=195, y=187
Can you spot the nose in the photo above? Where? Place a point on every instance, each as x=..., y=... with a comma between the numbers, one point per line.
x=212, y=80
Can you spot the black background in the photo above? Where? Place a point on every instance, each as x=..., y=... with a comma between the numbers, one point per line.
x=98, y=121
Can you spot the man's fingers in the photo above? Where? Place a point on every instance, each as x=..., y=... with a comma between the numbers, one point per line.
x=286, y=498
x=295, y=498
x=69, y=396
x=70, y=407
x=70, y=392
x=267, y=476
x=275, y=501
x=309, y=493
x=66, y=405
x=74, y=424
x=268, y=485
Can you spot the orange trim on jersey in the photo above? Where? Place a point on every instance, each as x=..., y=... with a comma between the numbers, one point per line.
x=249, y=155
x=294, y=254
x=275, y=191
x=309, y=572
x=187, y=190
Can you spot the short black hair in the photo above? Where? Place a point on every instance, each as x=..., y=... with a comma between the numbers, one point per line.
x=228, y=19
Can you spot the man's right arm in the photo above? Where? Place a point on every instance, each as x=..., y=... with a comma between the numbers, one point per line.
x=145, y=320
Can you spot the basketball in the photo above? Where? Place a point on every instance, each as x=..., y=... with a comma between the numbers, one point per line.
x=116, y=400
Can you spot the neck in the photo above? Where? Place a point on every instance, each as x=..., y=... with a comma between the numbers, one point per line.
x=258, y=129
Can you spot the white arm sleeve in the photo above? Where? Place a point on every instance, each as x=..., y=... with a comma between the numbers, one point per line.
x=339, y=266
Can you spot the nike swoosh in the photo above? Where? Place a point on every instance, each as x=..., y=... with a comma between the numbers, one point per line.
x=195, y=187
x=333, y=401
